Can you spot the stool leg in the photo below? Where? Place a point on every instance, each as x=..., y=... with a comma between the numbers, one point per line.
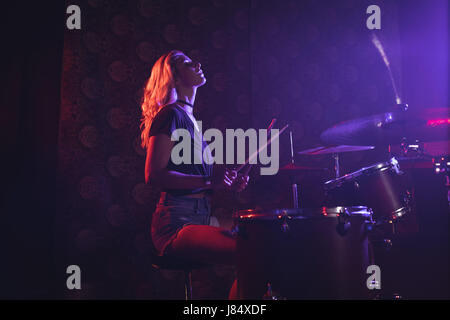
x=188, y=284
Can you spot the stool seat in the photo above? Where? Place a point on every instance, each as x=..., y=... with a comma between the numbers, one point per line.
x=174, y=263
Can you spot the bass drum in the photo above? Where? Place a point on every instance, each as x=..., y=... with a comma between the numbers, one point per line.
x=318, y=253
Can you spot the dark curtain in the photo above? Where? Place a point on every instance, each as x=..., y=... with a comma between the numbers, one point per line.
x=31, y=57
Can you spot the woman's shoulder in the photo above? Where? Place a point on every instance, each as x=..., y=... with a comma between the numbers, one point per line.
x=168, y=111
x=169, y=118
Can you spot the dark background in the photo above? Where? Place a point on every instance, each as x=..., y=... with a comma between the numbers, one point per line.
x=73, y=187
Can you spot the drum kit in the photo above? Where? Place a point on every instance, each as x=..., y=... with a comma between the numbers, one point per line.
x=325, y=252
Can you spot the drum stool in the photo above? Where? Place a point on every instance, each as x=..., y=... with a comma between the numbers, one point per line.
x=175, y=264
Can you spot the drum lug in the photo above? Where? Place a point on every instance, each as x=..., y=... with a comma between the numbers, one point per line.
x=344, y=224
x=370, y=223
x=407, y=198
x=284, y=217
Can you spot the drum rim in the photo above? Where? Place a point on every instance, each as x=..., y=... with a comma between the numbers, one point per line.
x=331, y=212
x=378, y=167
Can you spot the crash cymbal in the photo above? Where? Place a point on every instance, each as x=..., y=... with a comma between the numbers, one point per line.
x=334, y=149
x=390, y=128
x=294, y=167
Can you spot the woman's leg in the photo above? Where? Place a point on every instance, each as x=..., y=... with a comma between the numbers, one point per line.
x=205, y=244
x=233, y=295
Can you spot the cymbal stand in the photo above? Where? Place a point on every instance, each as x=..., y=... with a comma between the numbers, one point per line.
x=336, y=165
x=294, y=185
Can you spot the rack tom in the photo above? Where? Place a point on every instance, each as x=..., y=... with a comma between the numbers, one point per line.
x=380, y=187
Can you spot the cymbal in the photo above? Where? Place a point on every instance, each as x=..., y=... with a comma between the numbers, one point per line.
x=425, y=125
x=334, y=149
x=294, y=167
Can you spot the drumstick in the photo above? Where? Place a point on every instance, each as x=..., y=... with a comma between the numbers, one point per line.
x=378, y=45
x=262, y=148
x=271, y=124
x=250, y=166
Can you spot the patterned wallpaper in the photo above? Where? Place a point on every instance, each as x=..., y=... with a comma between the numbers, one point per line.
x=307, y=63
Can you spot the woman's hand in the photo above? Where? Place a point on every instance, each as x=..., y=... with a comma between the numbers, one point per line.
x=235, y=181
x=241, y=182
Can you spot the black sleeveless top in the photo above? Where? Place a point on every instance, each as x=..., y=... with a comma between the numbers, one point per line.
x=167, y=120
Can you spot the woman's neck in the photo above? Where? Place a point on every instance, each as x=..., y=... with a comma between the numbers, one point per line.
x=188, y=96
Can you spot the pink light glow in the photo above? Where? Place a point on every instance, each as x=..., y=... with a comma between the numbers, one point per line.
x=437, y=122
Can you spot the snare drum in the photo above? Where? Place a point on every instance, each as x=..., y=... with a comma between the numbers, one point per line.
x=380, y=187
x=318, y=253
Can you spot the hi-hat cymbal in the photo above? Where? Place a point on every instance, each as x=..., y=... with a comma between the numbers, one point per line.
x=294, y=167
x=389, y=128
x=334, y=149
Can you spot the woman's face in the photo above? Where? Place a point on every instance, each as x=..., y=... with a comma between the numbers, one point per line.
x=189, y=73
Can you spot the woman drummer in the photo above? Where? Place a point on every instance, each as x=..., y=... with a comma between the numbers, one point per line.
x=180, y=225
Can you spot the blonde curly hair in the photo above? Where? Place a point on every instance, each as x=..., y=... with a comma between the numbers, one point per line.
x=159, y=91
